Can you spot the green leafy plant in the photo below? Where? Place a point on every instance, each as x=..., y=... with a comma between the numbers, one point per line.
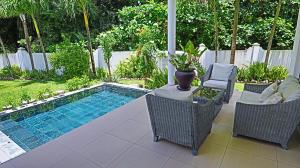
x=101, y=73
x=39, y=75
x=44, y=94
x=114, y=79
x=71, y=59
x=207, y=93
x=158, y=79
x=277, y=73
x=74, y=84
x=186, y=61
x=85, y=81
x=12, y=72
x=78, y=82
x=12, y=102
x=147, y=56
x=107, y=41
x=25, y=97
x=244, y=74
x=258, y=71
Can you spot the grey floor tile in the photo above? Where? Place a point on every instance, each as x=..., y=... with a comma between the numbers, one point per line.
x=163, y=147
x=44, y=156
x=79, y=138
x=105, y=149
x=75, y=160
x=6, y=165
x=130, y=130
x=137, y=157
x=171, y=163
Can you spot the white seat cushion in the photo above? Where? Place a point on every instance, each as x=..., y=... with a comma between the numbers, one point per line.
x=269, y=91
x=221, y=71
x=176, y=95
x=293, y=97
x=274, y=99
x=250, y=98
x=215, y=84
x=289, y=87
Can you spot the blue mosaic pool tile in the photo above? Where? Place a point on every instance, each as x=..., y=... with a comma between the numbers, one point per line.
x=35, y=126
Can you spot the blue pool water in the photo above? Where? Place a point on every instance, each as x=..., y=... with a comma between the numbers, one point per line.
x=36, y=130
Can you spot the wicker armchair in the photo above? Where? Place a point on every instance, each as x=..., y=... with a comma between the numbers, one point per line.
x=180, y=122
x=230, y=84
x=273, y=122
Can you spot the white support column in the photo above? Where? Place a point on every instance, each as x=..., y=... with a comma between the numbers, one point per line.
x=296, y=48
x=171, y=38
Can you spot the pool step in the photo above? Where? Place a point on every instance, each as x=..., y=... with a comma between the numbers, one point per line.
x=8, y=148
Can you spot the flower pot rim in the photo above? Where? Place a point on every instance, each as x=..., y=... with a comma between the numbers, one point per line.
x=186, y=71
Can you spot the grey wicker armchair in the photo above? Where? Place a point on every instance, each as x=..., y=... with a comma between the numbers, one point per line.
x=272, y=122
x=229, y=85
x=180, y=122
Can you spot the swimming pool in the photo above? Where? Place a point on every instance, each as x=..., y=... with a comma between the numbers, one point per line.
x=30, y=128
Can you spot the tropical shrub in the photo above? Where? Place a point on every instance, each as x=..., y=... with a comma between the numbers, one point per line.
x=208, y=93
x=70, y=58
x=258, y=71
x=78, y=82
x=39, y=75
x=13, y=72
x=277, y=73
x=147, y=56
x=243, y=74
x=107, y=41
x=44, y=94
x=158, y=79
x=101, y=73
x=12, y=102
x=74, y=84
x=25, y=97
x=189, y=60
x=85, y=81
x=134, y=67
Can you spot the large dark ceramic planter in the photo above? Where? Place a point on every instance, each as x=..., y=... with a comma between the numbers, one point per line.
x=184, y=79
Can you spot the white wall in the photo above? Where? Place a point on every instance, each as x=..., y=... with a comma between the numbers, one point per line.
x=296, y=48
x=243, y=58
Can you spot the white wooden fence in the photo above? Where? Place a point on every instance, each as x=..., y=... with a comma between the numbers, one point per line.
x=243, y=58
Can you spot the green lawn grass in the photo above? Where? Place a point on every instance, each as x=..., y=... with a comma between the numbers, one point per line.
x=14, y=88
x=132, y=82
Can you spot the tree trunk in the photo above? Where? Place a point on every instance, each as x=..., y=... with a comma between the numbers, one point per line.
x=4, y=51
x=216, y=24
x=28, y=42
x=234, y=32
x=41, y=42
x=109, y=70
x=86, y=21
x=273, y=31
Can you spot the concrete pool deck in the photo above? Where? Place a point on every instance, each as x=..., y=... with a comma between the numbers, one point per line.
x=123, y=139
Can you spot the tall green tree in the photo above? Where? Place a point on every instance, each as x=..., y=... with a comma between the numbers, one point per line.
x=278, y=8
x=234, y=30
x=33, y=9
x=214, y=7
x=74, y=6
x=15, y=8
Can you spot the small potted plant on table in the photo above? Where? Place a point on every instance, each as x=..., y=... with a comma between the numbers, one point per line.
x=186, y=65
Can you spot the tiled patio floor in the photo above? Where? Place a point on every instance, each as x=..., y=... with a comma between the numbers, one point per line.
x=123, y=139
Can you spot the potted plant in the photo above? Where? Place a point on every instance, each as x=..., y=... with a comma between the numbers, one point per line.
x=186, y=64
